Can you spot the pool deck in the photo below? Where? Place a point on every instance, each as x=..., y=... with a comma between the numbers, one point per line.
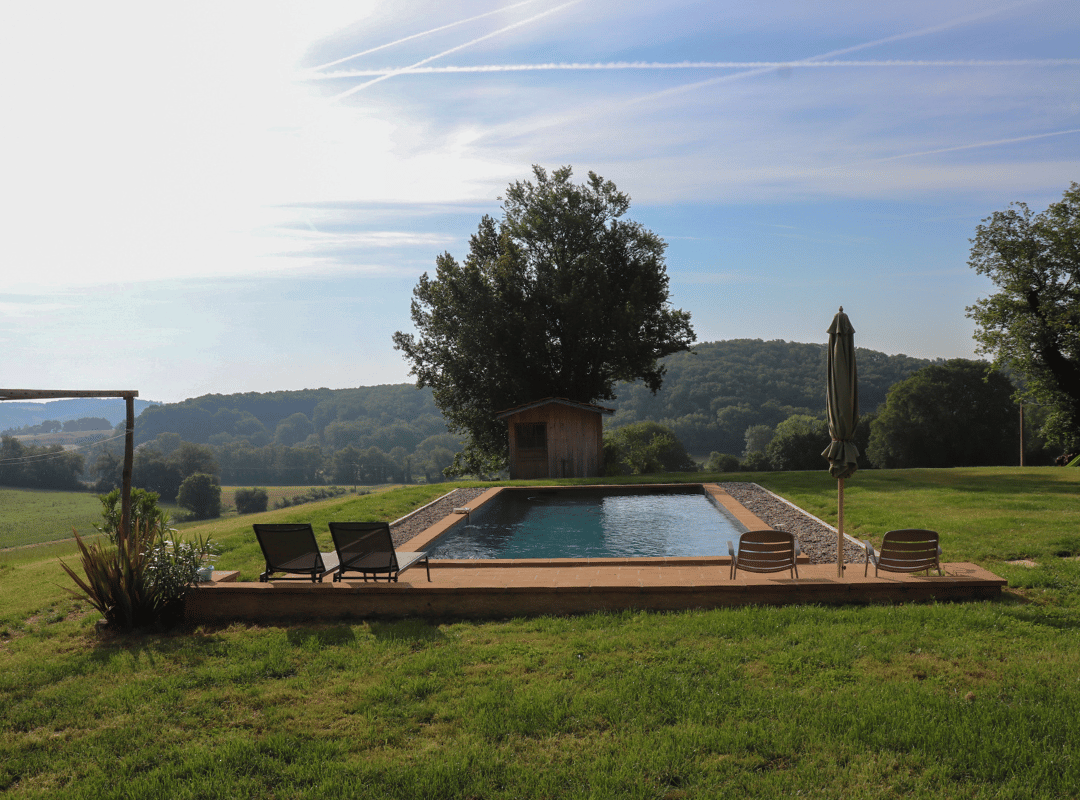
x=483, y=589
x=512, y=588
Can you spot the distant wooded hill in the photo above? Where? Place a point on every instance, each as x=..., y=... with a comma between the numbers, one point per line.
x=712, y=394
x=710, y=397
x=16, y=414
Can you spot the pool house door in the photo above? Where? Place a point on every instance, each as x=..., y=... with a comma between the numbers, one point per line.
x=532, y=450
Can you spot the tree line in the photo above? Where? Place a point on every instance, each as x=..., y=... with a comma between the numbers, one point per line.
x=957, y=413
x=30, y=466
x=56, y=426
x=748, y=400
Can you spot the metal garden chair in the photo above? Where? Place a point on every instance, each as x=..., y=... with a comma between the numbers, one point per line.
x=765, y=551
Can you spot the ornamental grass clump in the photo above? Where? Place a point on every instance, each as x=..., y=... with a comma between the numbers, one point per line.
x=139, y=577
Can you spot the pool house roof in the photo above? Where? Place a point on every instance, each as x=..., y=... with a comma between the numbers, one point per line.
x=553, y=400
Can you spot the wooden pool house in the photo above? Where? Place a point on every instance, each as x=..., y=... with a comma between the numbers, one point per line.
x=556, y=438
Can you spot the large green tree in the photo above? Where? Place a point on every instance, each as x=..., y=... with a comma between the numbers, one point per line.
x=563, y=296
x=956, y=414
x=1031, y=325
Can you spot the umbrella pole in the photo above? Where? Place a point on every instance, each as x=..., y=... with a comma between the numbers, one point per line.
x=840, y=530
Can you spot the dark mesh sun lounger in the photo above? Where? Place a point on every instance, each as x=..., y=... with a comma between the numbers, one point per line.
x=367, y=548
x=292, y=549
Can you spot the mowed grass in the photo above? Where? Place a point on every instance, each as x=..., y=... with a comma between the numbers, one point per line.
x=984, y=515
x=38, y=516
x=33, y=516
x=965, y=700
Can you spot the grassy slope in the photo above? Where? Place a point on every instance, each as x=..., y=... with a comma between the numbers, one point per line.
x=964, y=700
x=30, y=516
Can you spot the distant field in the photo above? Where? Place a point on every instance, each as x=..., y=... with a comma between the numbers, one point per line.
x=276, y=493
x=37, y=516
x=34, y=516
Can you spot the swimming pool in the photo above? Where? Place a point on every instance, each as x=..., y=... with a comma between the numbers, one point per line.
x=589, y=523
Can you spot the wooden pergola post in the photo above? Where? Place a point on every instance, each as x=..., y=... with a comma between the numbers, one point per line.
x=129, y=459
x=129, y=438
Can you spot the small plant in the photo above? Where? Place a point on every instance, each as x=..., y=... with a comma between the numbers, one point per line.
x=115, y=580
x=174, y=565
x=139, y=576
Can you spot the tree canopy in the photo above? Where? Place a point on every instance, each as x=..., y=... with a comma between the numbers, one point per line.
x=956, y=414
x=1031, y=325
x=562, y=296
x=643, y=448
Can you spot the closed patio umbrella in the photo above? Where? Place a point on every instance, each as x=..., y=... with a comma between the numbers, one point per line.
x=842, y=404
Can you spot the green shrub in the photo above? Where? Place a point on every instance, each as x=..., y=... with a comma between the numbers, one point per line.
x=173, y=566
x=755, y=462
x=201, y=495
x=145, y=513
x=643, y=448
x=251, y=501
x=721, y=462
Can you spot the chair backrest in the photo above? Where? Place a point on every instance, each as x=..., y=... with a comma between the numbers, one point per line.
x=909, y=550
x=766, y=551
x=365, y=546
x=289, y=547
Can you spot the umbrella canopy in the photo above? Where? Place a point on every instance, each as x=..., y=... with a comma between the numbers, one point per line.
x=842, y=398
x=842, y=402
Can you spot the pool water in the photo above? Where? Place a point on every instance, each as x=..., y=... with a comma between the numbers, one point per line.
x=578, y=524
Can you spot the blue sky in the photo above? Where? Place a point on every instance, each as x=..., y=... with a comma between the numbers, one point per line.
x=229, y=197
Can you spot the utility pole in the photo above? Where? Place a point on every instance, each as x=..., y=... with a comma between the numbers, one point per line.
x=1021, y=434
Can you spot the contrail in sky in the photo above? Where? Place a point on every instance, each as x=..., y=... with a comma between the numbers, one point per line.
x=834, y=53
x=958, y=147
x=648, y=65
x=423, y=33
x=479, y=39
x=596, y=110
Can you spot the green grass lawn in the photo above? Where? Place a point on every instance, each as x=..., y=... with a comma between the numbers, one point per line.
x=964, y=700
x=33, y=516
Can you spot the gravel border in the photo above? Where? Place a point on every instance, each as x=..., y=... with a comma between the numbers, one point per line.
x=416, y=522
x=817, y=539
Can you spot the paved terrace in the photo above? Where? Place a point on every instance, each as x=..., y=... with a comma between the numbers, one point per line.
x=485, y=589
x=511, y=588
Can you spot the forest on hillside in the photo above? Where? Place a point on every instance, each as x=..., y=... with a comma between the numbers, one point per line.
x=714, y=393
x=710, y=398
x=395, y=432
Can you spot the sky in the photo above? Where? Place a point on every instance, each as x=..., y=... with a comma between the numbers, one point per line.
x=210, y=197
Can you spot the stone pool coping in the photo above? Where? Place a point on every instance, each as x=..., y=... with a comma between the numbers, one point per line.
x=525, y=587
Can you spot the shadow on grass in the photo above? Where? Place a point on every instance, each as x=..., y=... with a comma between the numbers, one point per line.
x=1032, y=615
x=411, y=630
x=324, y=636
x=973, y=480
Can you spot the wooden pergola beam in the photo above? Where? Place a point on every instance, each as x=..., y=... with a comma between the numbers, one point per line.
x=50, y=394
x=129, y=396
